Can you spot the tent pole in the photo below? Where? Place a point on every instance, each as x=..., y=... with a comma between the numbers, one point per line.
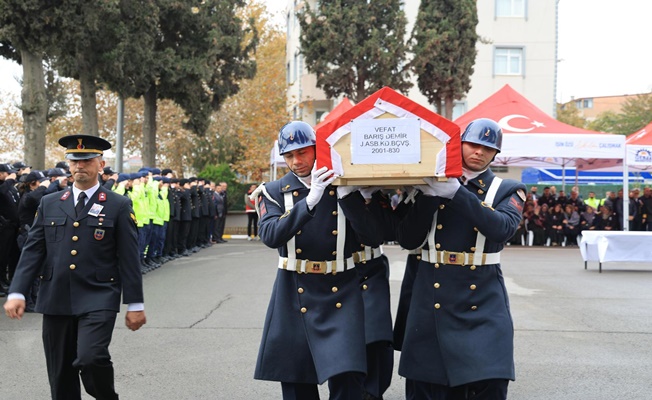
x=563, y=175
x=625, y=195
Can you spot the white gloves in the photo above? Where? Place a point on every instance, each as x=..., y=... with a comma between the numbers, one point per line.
x=446, y=189
x=343, y=191
x=320, y=179
x=367, y=191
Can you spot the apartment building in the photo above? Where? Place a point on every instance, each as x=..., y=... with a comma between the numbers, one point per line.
x=591, y=107
x=518, y=47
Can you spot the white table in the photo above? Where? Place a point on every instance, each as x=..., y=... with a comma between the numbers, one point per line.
x=610, y=246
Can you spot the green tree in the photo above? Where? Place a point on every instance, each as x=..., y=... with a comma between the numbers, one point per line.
x=355, y=47
x=635, y=113
x=569, y=114
x=443, y=43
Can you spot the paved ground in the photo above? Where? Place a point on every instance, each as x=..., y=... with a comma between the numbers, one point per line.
x=579, y=334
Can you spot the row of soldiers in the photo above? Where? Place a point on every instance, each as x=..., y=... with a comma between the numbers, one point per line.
x=176, y=217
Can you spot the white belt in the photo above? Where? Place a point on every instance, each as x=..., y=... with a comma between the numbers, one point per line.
x=415, y=251
x=460, y=258
x=316, y=267
x=369, y=253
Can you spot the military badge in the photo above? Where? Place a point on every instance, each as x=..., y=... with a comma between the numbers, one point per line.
x=285, y=214
x=102, y=196
x=133, y=218
x=66, y=195
x=99, y=234
x=521, y=194
x=452, y=258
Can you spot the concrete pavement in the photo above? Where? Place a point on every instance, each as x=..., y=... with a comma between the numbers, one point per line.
x=579, y=334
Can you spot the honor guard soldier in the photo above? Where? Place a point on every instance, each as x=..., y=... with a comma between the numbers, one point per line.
x=314, y=328
x=83, y=247
x=459, y=332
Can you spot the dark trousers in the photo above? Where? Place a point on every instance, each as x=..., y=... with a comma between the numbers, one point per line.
x=380, y=366
x=170, y=247
x=182, y=236
x=144, y=235
x=202, y=237
x=490, y=389
x=9, y=254
x=252, y=223
x=218, y=228
x=77, y=345
x=194, y=231
x=347, y=386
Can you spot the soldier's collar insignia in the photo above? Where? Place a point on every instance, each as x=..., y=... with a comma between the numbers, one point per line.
x=285, y=188
x=481, y=183
x=65, y=195
x=102, y=196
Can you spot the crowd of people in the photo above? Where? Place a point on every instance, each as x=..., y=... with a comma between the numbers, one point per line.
x=175, y=217
x=558, y=219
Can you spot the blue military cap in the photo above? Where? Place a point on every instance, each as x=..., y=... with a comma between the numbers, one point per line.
x=155, y=171
x=134, y=175
x=123, y=177
x=84, y=147
x=7, y=168
x=158, y=178
x=54, y=172
x=166, y=179
x=145, y=169
x=34, y=176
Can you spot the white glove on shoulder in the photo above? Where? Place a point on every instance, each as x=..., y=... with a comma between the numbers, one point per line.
x=445, y=189
x=368, y=191
x=320, y=179
x=343, y=191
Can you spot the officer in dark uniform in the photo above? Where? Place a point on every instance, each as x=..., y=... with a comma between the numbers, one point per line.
x=185, y=214
x=459, y=332
x=314, y=329
x=83, y=245
x=9, y=198
x=108, y=178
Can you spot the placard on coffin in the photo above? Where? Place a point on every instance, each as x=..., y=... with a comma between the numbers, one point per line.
x=389, y=140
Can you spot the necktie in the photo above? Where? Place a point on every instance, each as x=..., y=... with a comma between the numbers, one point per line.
x=80, y=203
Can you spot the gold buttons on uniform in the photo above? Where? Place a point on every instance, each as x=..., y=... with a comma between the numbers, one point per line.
x=436, y=265
x=299, y=251
x=75, y=238
x=73, y=252
x=474, y=308
x=365, y=287
x=418, y=257
x=332, y=192
x=299, y=233
x=338, y=305
x=437, y=285
x=334, y=232
x=472, y=287
x=475, y=229
x=75, y=224
x=73, y=266
x=472, y=248
x=334, y=253
x=295, y=193
x=334, y=289
x=52, y=223
x=480, y=191
x=112, y=279
x=300, y=290
x=304, y=310
x=437, y=306
x=440, y=226
x=362, y=245
x=441, y=206
x=334, y=212
x=473, y=267
x=438, y=245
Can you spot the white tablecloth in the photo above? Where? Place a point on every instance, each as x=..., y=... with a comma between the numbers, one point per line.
x=606, y=246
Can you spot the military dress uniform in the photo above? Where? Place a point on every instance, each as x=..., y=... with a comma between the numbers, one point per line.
x=459, y=329
x=314, y=328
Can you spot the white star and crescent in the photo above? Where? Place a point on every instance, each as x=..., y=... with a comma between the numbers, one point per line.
x=504, y=123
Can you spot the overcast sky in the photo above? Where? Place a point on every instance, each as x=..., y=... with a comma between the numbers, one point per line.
x=605, y=48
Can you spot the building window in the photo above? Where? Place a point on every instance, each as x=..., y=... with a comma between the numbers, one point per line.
x=288, y=72
x=588, y=103
x=318, y=116
x=289, y=26
x=510, y=8
x=508, y=61
x=295, y=67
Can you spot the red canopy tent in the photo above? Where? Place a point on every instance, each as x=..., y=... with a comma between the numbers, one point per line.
x=533, y=138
